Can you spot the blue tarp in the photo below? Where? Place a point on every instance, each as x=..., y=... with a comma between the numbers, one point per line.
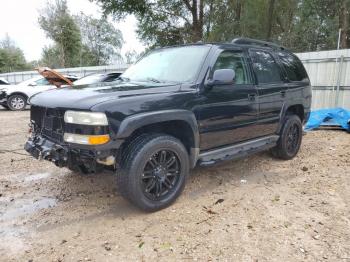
x=337, y=116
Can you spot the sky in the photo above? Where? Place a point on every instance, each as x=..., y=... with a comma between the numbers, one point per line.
x=19, y=19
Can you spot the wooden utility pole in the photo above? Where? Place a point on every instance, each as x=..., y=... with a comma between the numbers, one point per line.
x=270, y=19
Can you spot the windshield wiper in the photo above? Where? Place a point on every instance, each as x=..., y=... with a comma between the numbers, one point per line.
x=154, y=80
x=124, y=78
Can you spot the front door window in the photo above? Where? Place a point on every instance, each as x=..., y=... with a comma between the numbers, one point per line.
x=235, y=61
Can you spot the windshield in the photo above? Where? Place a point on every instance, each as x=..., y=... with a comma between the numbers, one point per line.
x=30, y=81
x=179, y=64
x=90, y=79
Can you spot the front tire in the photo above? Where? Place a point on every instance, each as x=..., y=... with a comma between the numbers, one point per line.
x=289, y=142
x=154, y=168
x=17, y=102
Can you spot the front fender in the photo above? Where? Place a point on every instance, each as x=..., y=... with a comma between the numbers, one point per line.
x=131, y=123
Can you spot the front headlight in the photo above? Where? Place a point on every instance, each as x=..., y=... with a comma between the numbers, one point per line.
x=86, y=118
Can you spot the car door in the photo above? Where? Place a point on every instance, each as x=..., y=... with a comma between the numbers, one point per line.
x=228, y=113
x=271, y=89
x=298, y=83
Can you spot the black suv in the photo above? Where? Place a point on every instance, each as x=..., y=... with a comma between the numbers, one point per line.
x=176, y=108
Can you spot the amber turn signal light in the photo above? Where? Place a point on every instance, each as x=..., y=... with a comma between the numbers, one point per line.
x=86, y=139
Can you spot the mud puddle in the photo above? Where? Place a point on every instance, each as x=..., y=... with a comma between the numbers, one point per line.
x=36, y=177
x=25, y=207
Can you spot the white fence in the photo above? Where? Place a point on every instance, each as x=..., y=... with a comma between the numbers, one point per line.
x=329, y=72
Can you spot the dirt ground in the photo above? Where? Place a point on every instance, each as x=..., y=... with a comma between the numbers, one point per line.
x=254, y=209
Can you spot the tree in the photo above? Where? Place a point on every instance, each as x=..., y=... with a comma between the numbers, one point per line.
x=261, y=19
x=344, y=20
x=162, y=22
x=50, y=55
x=60, y=26
x=131, y=56
x=270, y=19
x=301, y=25
x=101, y=40
x=11, y=57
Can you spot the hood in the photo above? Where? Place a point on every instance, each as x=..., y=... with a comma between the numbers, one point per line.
x=54, y=77
x=85, y=97
x=10, y=88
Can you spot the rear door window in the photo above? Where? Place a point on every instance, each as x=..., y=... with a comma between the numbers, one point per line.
x=294, y=68
x=265, y=67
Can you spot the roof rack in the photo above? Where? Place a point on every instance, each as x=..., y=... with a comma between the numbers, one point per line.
x=249, y=41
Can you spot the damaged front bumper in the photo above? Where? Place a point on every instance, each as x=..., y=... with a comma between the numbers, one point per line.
x=42, y=148
x=73, y=157
x=3, y=97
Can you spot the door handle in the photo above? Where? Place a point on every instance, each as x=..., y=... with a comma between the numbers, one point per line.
x=283, y=93
x=251, y=97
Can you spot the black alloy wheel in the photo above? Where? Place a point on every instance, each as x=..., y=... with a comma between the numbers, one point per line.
x=293, y=139
x=161, y=174
x=288, y=144
x=153, y=171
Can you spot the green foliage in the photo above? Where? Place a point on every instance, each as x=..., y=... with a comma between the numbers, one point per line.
x=59, y=25
x=50, y=57
x=79, y=40
x=315, y=26
x=301, y=25
x=161, y=22
x=101, y=40
x=11, y=57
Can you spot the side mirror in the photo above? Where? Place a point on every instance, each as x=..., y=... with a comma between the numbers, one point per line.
x=32, y=84
x=222, y=77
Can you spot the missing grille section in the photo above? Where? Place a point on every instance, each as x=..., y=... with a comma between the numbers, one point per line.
x=49, y=121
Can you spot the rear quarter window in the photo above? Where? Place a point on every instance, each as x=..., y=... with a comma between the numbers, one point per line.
x=294, y=68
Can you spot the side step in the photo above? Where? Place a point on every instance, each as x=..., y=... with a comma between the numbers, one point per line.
x=237, y=151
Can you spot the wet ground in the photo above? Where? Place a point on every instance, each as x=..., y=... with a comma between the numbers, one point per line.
x=253, y=209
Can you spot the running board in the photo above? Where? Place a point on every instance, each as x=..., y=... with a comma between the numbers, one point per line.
x=237, y=151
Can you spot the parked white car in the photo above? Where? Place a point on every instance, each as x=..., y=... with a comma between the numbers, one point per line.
x=16, y=97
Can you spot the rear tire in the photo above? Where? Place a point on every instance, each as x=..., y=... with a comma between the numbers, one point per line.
x=289, y=142
x=153, y=171
x=17, y=102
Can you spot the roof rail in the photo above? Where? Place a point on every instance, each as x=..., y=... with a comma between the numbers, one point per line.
x=249, y=41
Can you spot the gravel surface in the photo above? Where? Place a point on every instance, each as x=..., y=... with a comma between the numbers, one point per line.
x=253, y=209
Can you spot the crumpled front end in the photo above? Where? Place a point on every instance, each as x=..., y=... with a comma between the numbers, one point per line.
x=47, y=142
x=42, y=148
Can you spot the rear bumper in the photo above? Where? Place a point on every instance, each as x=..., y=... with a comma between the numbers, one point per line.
x=66, y=155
